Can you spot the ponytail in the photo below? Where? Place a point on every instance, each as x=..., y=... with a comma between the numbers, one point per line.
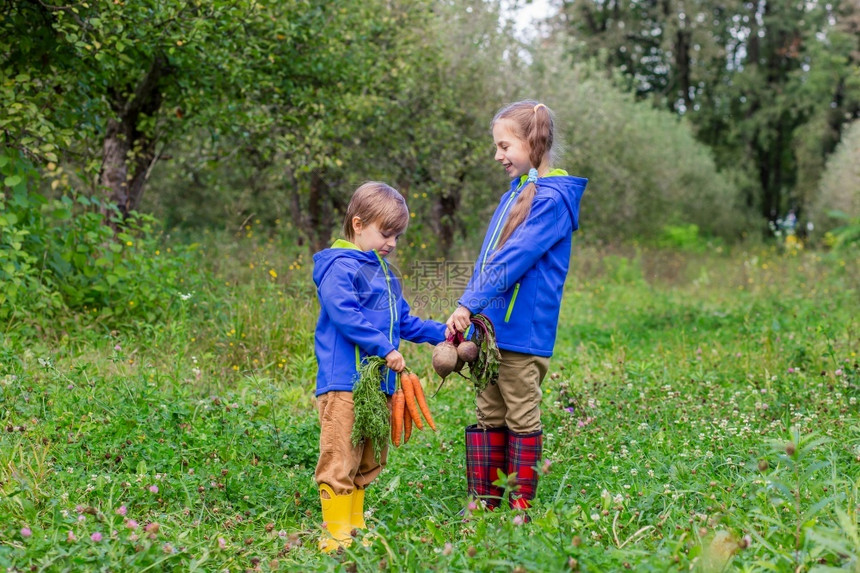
x=536, y=122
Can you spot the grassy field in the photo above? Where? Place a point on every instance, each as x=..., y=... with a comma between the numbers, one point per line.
x=700, y=413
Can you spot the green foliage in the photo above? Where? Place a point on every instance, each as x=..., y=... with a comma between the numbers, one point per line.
x=485, y=369
x=28, y=97
x=845, y=236
x=59, y=255
x=16, y=263
x=685, y=237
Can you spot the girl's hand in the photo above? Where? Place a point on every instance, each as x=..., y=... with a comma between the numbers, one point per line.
x=459, y=320
x=395, y=361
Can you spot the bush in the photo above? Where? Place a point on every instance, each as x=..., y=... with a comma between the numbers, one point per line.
x=16, y=262
x=60, y=254
x=684, y=237
x=839, y=189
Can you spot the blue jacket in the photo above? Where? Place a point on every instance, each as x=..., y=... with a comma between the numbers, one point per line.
x=362, y=313
x=519, y=286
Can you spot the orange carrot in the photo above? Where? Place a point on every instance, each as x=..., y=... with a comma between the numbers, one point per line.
x=407, y=425
x=397, y=404
x=422, y=401
x=409, y=393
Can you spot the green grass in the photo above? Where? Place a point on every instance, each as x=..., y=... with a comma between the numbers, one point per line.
x=700, y=413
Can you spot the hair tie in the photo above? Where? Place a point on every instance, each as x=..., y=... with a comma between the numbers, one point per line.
x=533, y=175
x=538, y=106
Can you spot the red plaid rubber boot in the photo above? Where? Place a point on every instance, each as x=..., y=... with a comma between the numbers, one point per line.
x=524, y=452
x=485, y=456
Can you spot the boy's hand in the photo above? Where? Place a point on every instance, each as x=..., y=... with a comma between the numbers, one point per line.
x=395, y=361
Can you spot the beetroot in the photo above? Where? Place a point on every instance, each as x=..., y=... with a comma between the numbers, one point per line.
x=467, y=351
x=444, y=358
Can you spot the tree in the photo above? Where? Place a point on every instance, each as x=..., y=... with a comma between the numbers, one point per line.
x=406, y=97
x=130, y=78
x=751, y=76
x=839, y=193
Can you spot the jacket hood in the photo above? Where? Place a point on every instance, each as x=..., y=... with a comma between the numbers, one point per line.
x=569, y=187
x=341, y=248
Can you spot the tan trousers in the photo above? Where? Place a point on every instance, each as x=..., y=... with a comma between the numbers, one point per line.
x=341, y=465
x=515, y=400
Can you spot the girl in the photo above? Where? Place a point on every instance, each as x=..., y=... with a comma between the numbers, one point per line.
x=362, y=314
x=518, y=282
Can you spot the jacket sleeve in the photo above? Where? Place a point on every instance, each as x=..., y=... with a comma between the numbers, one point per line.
x=547, y=223
x=417, y=330
x=338, y=300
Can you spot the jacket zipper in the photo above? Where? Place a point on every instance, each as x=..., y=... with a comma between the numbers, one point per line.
x=391, y=310
x=494, y=238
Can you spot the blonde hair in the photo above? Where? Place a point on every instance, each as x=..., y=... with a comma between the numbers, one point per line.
x=377, y=203
x=532, y=123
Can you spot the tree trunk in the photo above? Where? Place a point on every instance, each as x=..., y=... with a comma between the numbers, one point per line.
x=114, y=175
x=445, y=219
x=319, y=208
x=128, y=152
x=682, y=69
x=300, y=215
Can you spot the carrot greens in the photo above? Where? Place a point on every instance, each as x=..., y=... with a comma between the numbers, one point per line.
x=371, y=406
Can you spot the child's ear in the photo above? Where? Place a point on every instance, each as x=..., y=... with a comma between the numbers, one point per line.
x=357, y=225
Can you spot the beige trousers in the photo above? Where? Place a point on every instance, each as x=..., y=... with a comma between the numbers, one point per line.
x=515, y=400
x=341, y=465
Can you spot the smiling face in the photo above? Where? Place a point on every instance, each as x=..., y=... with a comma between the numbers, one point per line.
x=511, y=150
x=369, y=237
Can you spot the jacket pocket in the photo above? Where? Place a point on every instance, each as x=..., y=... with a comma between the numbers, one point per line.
x=513, y=302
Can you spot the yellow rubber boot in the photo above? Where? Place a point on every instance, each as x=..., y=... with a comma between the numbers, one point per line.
x=337, y=514
x=357, y=519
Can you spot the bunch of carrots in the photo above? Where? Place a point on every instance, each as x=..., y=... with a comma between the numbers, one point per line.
x=407, y=406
